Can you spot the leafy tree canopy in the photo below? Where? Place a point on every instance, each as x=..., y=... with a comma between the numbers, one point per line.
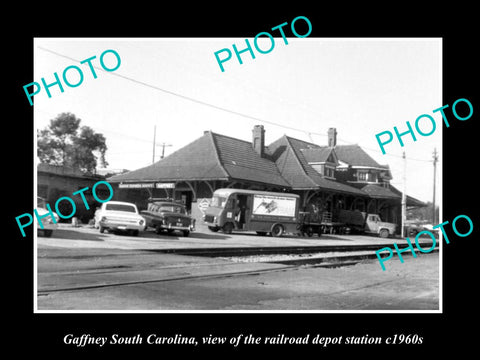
x=65, y=142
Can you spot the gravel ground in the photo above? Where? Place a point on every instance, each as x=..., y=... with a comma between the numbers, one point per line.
x=283, y=257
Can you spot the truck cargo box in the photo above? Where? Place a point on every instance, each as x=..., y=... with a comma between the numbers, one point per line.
x=352, y=217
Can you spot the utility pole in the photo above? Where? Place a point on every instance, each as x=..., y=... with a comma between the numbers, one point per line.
x=404, y=195
x=154, y=133
x=435, y=159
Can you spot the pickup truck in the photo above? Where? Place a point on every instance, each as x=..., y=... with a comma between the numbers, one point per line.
x=119, y=215
x=368, y=223
x=166, y=215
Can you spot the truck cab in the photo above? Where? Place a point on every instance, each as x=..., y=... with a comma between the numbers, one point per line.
x=227, y=211
x=375, y=225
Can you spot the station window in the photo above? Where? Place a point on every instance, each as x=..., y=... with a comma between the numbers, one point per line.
x=362, y=176
x=367, y=176
x=329, y=172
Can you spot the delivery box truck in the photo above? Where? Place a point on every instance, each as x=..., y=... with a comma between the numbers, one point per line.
x=249, y=210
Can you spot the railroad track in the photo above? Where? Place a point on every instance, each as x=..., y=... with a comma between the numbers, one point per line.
x=266, y=250
x=277, y=266
x=160, y=280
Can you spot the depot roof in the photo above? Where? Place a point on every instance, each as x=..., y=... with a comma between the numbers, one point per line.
x=284, y=164
x=210, y=157
x=380, y=192
x=294, y=167
x=354, y=156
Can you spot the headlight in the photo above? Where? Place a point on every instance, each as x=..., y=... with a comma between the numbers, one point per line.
x=141, y=222
x=104, y=218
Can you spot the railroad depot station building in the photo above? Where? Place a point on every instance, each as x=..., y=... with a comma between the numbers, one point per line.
x=331, y=177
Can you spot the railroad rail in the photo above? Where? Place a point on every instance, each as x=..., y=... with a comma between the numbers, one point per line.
x=352, y=258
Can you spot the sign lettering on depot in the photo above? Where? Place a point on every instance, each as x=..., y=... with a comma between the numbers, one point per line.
x=72, y=75
x=50, y=213
x=425, y=124
x=224, y=55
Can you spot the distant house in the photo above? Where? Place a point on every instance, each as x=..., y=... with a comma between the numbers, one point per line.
x=332, y=177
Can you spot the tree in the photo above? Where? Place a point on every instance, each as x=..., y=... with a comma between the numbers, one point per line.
x=64, y=142
x=424, y=213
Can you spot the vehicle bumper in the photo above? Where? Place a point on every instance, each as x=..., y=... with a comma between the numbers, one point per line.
x=49, y=226
x=211, y=224
x=180, y=228
x=121, y=226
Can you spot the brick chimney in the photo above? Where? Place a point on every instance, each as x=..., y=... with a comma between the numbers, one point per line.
x=332, y=137
x=258, y=139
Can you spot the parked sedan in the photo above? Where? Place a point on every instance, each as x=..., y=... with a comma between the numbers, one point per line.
x=119, y=215
x=166, y=215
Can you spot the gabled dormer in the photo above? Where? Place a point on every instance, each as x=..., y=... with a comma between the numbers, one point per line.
x=357, y=166
x=323, y=159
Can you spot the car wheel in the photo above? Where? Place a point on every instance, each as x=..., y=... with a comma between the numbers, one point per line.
x=277, y=230
x=134, y=232
x=102, y=229
x=384, y=233
x=186, y=233
x=309, y=231
x=228, y=228
x=44, y=233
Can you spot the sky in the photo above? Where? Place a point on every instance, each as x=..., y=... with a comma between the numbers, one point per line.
x=359, y=86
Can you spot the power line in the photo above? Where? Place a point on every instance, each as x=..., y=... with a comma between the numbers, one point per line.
x=182, y=96
x=308, y=133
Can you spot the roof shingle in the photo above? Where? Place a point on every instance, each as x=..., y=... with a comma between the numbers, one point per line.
x=286, y=163
x=354, y=155
x=287, y=153
x=210, y=157
x=196, y=161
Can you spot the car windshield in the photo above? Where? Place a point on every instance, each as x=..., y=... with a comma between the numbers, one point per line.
x=218, y=201
x=156, y=207
x=173, y=208
x=120, y=207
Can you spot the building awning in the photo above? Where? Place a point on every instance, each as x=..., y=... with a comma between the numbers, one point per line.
x=380, y=192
